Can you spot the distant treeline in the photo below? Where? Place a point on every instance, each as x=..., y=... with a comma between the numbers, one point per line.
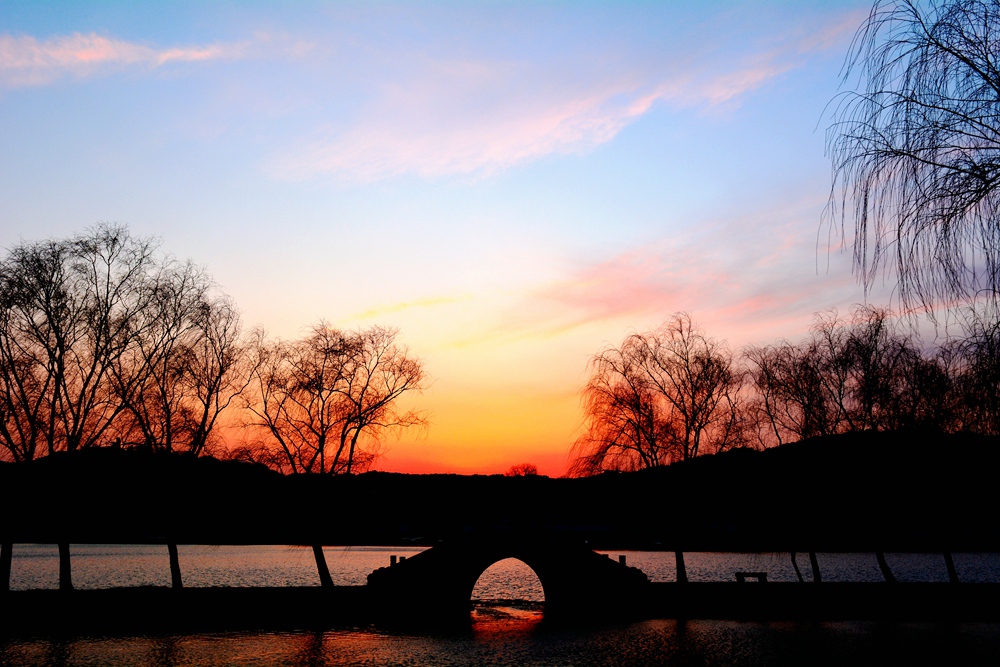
x=673, y=393
x=106, y=342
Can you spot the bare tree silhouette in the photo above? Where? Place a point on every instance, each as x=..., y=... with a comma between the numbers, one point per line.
x=791, y=399
x=659, y=397
x=73, y=310
x=623, y=419
x=857, y=374
x=979, y=370
x=378, y=374
x=104, y=340
x=148, y=377
x=916, y=148
x=326, y=400
x=194, y=366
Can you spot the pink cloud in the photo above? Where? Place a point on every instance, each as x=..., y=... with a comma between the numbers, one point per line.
x=27, y=61
x=752, y=276
x=426, y=134
x=478, y=117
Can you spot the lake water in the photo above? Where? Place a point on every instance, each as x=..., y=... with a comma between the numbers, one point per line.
x=508, y=622
x=104, y=566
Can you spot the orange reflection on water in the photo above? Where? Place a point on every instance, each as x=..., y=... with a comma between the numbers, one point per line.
x=498, y=621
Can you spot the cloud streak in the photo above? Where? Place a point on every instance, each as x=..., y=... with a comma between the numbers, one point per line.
x=395, y=308
x=756, y=274
x=477, y=117
x=27, y=61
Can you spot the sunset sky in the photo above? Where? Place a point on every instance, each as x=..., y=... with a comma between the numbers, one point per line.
x=512, y=184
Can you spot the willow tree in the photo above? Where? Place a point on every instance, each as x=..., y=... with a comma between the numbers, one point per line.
x=665, y=395
x=915, y=147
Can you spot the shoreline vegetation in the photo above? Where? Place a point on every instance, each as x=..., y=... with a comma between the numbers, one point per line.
x=895, y=491
x=107, y=342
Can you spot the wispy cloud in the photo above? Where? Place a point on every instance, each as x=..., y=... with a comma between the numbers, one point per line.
x=427, y=135
x=479, y=117
x=28, y=61
x=758, y=273
x=392, y=309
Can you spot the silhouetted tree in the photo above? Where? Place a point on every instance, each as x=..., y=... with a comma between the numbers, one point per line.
x=72, y=311
x=916, y=149
x=860, y=374
x=194, y=367
x=378, y=373
x=661, y=396
x=326, y=399
x=791, y=400
x=522, y=470
x=979, y=370
x=296, y=395
x=155, y=399
x=216, y=366
x=872, y=358
x=695, y=378
x=624, y=421
x=103, y=340
x=928, y=396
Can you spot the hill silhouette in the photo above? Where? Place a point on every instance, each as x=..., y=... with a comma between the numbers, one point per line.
x=907, y=491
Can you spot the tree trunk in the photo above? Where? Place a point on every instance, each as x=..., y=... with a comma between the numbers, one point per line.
x=65, y=571
x=6, y=558
x=950, y=564
x=884, y=566
x=795, y=566
x=175, y=567
x=325, y=580
x=682, y=575
x=814, y=563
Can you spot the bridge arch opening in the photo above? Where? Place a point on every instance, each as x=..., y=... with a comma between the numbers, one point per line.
x=508, y=579
x=507, y=596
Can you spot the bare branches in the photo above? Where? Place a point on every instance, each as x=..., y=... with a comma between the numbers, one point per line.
x=859, y=374
x=326, y=399
x=916, y=150
x=73, y=310
x=658, y=398
x=672, y=394
x=102, y=340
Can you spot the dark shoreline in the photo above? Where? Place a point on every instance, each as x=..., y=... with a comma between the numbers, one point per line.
x=878, y=492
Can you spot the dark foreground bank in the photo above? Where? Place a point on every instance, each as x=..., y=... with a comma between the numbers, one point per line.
x=678, y=643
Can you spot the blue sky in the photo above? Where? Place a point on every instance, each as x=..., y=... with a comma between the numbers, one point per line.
x=514, y=185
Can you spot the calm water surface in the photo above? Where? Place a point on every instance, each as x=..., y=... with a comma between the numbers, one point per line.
x=104, y=566
x=508, y=625
x=523, y=641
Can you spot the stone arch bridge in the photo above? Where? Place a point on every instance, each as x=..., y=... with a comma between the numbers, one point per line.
x=577, y=582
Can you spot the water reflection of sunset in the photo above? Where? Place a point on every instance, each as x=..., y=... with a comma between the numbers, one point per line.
x=500, y=623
